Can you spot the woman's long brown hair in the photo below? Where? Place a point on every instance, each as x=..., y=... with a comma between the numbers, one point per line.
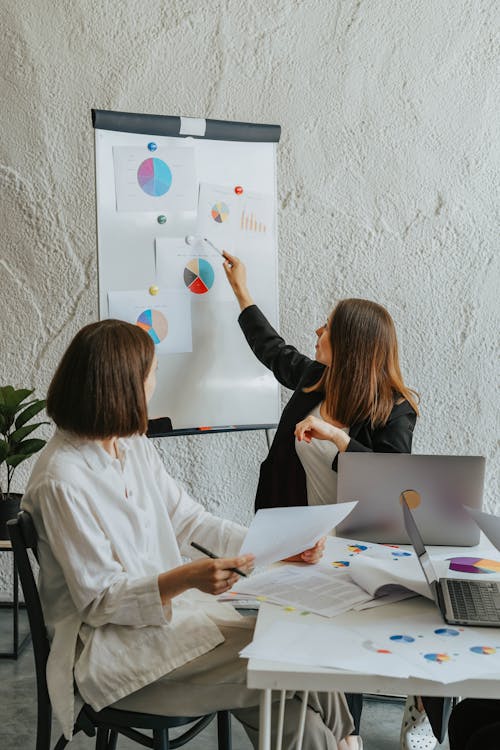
x=364, y=379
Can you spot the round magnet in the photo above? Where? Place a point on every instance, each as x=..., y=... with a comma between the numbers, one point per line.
x=238, y=190
x=154, y=289
x=162, y=219
x=152, y=146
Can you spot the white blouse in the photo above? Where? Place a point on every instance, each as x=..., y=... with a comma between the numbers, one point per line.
x=317, y=458
x=107, y=527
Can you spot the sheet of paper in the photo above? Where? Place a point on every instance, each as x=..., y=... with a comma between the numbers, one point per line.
x=435, y=650
x=397, y=596
x=277, y=533
x=375, y=574
x=194, y=269
x=489, y=524
x=307, y=587
x=166, y=317
x=322, y=645
x=235, y=221
x=347, y=551
x=160, y=180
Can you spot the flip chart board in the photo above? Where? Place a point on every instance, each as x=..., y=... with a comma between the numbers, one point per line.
x=170, y=193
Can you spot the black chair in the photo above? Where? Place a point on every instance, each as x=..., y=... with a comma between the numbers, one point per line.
x=110, y=722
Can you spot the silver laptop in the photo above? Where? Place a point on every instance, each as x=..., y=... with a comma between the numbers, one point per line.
x=445, y=484
x=460, y=601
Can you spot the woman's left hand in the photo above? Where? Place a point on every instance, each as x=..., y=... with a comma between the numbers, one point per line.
x=312, y=427
x=310, y=556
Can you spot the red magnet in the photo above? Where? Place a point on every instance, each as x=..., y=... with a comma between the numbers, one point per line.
x=238, y=190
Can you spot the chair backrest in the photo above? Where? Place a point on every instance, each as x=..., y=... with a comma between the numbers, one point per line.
x=23, y=537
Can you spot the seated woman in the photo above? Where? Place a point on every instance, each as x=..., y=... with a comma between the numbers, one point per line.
x=352, y=397
x=131, y=623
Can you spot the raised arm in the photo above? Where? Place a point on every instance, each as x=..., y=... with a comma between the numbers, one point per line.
x=286, y=363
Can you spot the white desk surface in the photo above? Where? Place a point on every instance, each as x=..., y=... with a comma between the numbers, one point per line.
x=280, y=676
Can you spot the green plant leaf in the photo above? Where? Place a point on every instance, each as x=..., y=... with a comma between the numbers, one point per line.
x=22, y=432
x=25, y=448
x=11, y=397
x=33, y=408
x=15, y=460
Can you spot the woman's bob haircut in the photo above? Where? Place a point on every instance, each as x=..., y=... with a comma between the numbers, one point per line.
x=97, y=391
x=364, y=380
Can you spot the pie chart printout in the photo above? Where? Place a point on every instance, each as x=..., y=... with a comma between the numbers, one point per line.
x=486, y=650
x=199, y=276
x=154, y=323
x=474, y=565
x=154, y=177
x=220, y=212
x=440, y=658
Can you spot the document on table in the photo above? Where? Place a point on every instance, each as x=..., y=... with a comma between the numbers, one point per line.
x=310, y=588
x=277, y=533
x=322, y=645
x=421, y=646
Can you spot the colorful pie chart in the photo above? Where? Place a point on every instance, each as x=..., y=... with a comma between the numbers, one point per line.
x=402, y=638
x=154, y=323
x=447, y=631
x=474, y=565
x=154, y=177
x=220, y=212
x=487, y=650
x=340, y=564
x=199, y=276
x=440, y=658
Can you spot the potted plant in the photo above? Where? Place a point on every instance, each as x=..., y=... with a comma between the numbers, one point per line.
x=15, y=447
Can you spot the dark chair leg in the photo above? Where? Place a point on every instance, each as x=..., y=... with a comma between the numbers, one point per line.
x=101, y=742
x=224, y=730
x=61, y=743
x=113, y=739
x=160, y=739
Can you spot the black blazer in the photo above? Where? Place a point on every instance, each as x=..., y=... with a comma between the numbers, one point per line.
x=282, y=480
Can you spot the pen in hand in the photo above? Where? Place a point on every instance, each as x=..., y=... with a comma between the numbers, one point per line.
x=215, y=557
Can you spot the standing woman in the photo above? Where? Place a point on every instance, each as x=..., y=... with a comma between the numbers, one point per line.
x=352, y=397
x=130, y=622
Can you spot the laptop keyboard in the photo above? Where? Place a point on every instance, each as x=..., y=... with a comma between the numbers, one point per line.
x=474, y=600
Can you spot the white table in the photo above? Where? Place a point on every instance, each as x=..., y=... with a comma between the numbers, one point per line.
x=268, y=676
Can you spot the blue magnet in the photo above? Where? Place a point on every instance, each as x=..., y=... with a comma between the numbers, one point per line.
x=162, y=219
x=152, y=146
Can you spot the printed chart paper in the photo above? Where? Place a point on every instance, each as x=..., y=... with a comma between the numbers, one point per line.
x=321, y=645
x=166, y=317
x=235, y=222
x=277, y=533
x=435, y=650
x=195, y=269
x=162, y=180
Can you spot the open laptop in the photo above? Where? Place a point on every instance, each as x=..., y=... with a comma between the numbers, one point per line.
x=460, y=600
x=488, y=524
x=445, y=484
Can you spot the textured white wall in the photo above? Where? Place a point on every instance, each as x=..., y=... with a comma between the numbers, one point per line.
x=388, y=184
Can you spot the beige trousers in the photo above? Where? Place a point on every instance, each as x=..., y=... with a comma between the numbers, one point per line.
x=217, y=681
